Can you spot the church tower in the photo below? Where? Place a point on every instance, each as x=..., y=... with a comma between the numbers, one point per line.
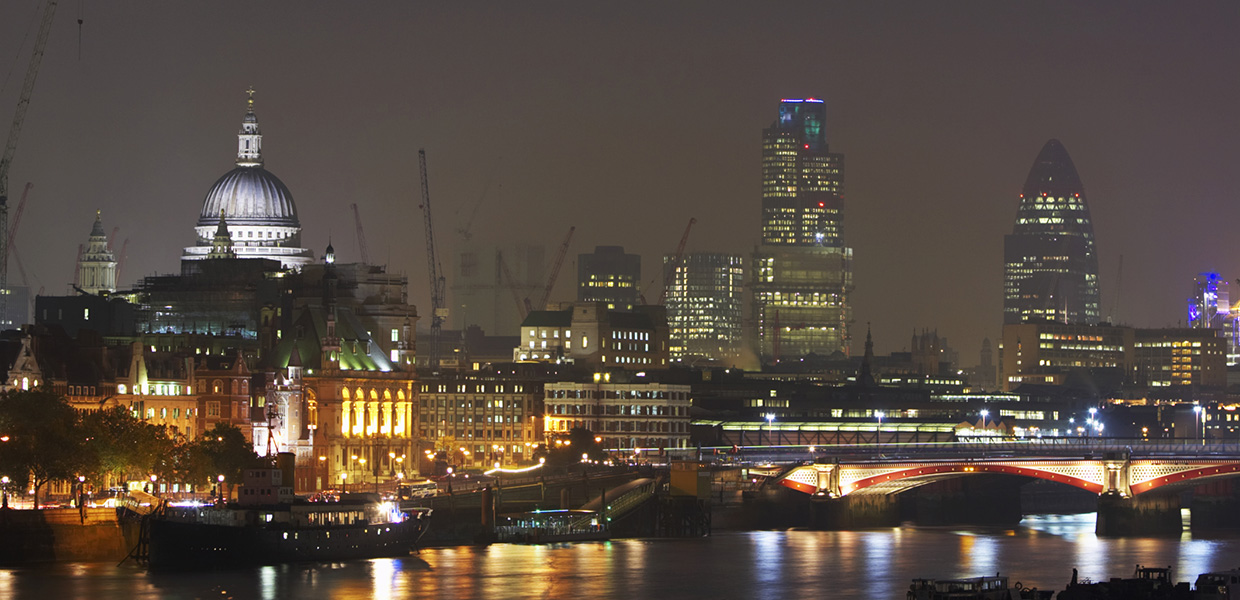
x=222, y=243
x=97, y=265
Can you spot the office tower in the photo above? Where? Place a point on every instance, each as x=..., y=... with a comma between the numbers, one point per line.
x=610, y=276
x=802, y=274
x=704, y=307
x=1050, y=264
x=1209, y=307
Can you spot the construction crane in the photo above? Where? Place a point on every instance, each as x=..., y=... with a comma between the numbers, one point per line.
x=12, y=239
x=120, y=261
x=361, y=235
x=555, y=271
x=506, y=280
x=17, y=219
x=23, y=101
x=439, y=312
x=669, y=275
x=466, y=230
x=112, y=238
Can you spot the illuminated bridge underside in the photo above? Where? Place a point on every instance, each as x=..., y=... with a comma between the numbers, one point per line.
x=1123, y=477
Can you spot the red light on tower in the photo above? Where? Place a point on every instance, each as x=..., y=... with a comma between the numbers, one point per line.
x=822, y=204
x=807, y=146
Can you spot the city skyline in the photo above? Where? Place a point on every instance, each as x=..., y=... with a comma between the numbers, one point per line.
x=565, y=119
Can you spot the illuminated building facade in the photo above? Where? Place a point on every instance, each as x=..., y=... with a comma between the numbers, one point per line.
x=609, y=276
x=1179, y=358
x=339, y=388
x=481, y=421
x=590, y=334
x=1047, y=352
x=624, y=415
x=1050, y=264
x=704, y=307
x=802, y=274
x=802, y=182
x=1209, y=307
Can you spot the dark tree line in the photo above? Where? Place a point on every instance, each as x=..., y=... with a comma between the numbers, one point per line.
x=43, y=439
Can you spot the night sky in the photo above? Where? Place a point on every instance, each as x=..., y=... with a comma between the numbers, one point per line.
x=625, y=119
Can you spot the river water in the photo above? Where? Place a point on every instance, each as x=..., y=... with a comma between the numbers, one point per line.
x=874, y=563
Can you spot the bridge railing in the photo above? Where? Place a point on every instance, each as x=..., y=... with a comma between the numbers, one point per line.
x=1083, y=447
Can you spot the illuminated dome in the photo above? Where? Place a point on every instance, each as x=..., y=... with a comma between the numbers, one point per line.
x=253, y=205
x=249, y=195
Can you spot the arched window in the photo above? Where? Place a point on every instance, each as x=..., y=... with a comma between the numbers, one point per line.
x=345, y=393
x=217, y=386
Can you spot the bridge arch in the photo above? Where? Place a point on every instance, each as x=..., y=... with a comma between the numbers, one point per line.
x=909, y=478
x=835, y=480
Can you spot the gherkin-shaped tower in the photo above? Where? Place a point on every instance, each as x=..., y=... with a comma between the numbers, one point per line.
x=1050, y=260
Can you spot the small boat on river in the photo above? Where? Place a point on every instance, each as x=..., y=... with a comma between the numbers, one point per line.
x=973, y=588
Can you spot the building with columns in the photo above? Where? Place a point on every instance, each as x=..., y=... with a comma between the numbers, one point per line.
x=96, y=268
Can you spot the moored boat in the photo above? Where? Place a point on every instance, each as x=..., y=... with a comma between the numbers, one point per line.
x=970, y=588
x=272, y=527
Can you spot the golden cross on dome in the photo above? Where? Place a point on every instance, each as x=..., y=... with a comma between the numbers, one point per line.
x=251, y=100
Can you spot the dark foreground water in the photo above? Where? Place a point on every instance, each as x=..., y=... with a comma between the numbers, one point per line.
x=876, y=563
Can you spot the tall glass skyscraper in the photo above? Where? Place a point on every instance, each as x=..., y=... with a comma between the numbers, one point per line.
x=704, y=307
x=802, y=274
x=1050, y=264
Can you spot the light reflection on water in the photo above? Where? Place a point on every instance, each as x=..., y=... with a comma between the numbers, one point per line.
x=875, y=563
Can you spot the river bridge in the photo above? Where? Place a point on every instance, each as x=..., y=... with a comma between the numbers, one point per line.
x=1133, y=478
x=1109, y=466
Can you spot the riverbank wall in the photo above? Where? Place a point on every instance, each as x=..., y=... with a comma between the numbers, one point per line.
x=64, y=534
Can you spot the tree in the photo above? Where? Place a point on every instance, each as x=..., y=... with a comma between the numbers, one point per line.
x=40, y=440
x=227, y=452
x=120, y=445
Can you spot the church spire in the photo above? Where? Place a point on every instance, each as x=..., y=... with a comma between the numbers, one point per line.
x=222, y=244
x=249, y=139
x=866, y=377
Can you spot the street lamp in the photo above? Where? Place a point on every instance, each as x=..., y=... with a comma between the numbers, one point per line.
x=4, y=491
x=343, y=476
x=154, y=490
x=770, y=418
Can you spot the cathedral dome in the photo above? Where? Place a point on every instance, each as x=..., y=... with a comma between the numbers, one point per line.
x=249, y=195
x=249, y=213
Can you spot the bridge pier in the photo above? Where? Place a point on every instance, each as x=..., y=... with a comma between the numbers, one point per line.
x=855, y=512
x=1138, y=515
